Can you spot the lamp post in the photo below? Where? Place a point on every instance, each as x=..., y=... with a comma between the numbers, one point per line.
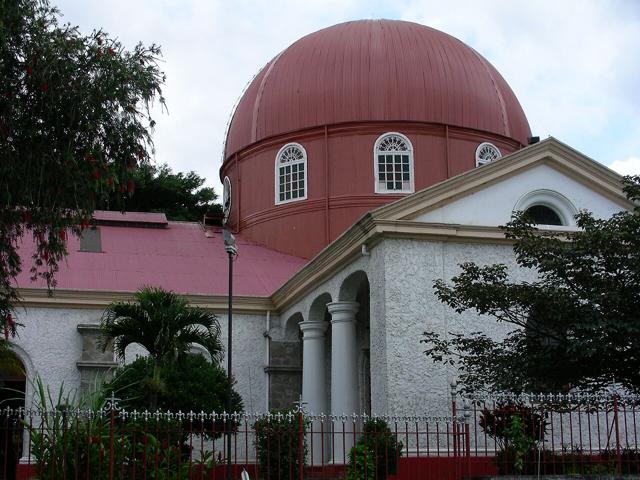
x=232, y=252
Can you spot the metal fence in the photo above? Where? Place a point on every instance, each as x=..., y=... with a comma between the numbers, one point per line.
x=497, y=435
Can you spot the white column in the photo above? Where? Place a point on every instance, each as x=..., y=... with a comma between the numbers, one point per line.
x=314, y=391
x=344, y=375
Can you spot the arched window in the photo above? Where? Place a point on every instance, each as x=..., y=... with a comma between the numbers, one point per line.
x=393, y=164
x=547, y=207
x=486, y=153
x=291, y=176
x=543, y=215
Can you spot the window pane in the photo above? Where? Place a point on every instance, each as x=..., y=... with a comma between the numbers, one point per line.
x=389, y=159
x=294, y=177
x=301, y=192
x=405, y=167
x=405, y=177
x=301, y=184
x=294, y=168
x=281, y=196
x=389, y=185
x=295, y=194
x=405, y=159
x=381, y=176
x=398, y=185
x=301, y=167
x=381, y=167
x=287, y=169
x=288, y=195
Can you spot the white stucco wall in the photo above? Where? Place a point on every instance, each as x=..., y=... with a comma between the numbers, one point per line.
x=493, y=206
x=415, y=384
x=50, y=345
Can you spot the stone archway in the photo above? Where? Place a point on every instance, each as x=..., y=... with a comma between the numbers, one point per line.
x=13, y=386
x=355, y=288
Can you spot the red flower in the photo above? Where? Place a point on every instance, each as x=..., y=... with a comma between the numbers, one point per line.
x=110, y=50
x=130, y=186
x=63, y=235
x=45, y=255
x=10, y=320
x=29, y=71
x=96, y=174
x=109, y=181
x=44, y=87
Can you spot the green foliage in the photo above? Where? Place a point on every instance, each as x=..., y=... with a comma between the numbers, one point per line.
x=74, y=124
x=577, y=325
x=278, y=441
x=164, y=324
x=361, y=463
x=194, y=384
x=378, y=446
x=180, y=196
x=78, y=438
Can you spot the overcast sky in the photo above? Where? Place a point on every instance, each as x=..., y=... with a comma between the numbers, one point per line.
x=574, y=65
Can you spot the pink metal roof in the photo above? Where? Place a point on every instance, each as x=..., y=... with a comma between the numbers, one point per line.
x=376, y=70
x=178, y=257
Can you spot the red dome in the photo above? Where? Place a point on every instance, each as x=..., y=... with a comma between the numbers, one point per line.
x=376, y=70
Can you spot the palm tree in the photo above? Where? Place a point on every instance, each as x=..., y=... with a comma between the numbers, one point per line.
x=164, y=324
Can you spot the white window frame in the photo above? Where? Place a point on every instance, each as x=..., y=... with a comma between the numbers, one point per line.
x=376, y=185
x=276, y=182
x=479, y=161
x=553, y=200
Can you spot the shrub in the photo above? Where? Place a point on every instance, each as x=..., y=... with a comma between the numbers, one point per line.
x=279, y=438
x=380, y=447
x=194, y=384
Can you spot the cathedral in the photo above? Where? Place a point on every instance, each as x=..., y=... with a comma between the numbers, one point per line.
x=362, y=163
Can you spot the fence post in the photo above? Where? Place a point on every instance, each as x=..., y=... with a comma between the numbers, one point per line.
x=467, y=436
x=615, y=419
x=300, y=445
x=454, y=416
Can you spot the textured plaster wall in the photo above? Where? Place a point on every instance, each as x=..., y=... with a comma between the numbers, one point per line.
x=52, y=344
x=249, y=358
x=415, y=384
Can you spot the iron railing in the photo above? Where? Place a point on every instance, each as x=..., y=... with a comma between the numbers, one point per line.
x=490, y=435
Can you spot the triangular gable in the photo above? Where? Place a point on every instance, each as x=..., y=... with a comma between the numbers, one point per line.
x=551, y=152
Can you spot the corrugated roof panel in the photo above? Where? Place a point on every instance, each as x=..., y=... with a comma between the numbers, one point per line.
x=376, y=70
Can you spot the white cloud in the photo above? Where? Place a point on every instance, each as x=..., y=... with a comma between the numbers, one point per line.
x=629, y=166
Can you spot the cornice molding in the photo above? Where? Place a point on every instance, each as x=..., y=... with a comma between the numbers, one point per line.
x=92, y=299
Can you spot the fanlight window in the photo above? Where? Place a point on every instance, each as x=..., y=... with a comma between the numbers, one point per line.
x=393, y=164
x=291, y=167
x=486, y=153
x=543, y=215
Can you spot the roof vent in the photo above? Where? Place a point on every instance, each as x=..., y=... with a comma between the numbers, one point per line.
x=486, y=153
x=90, y=240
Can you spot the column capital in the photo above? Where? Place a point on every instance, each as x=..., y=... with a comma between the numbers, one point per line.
x=343, y=311
x=313, y=329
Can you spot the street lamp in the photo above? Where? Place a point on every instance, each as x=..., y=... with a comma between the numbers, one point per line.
x=232, y=252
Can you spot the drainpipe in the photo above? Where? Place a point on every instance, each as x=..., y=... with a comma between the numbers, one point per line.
x=267, y=336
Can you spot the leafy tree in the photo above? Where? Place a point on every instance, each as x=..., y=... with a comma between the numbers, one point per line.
x=164, y=324
x=196, y=385
x=74, y=124
x=181, y=196
x=578, y=324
